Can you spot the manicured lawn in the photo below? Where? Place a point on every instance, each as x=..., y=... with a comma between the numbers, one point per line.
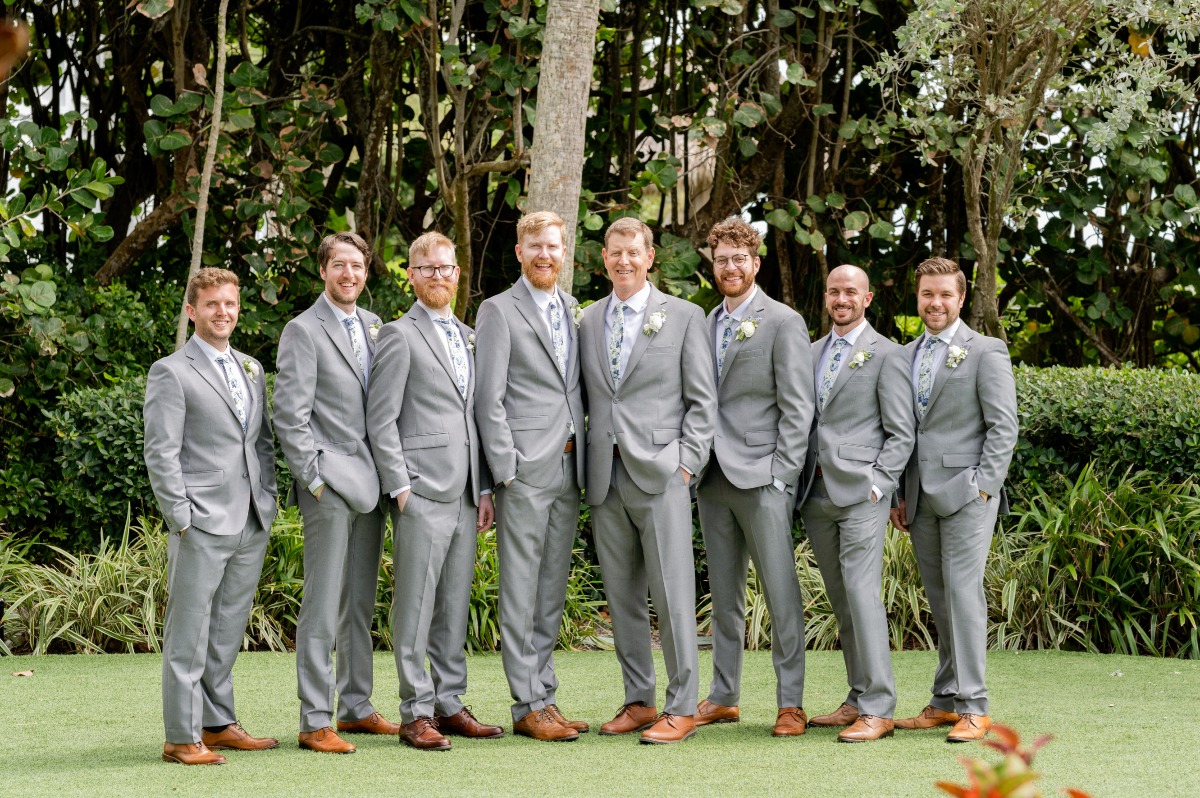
x=1123, y=726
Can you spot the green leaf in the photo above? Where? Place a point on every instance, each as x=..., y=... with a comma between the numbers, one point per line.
x=242, y=120
x=174, y=140
x=7, y=387
x=731, y=7
x=795, y=73
x=880, y=228
x=748, y=147
x=816, y=240
x=161, y=106
x=101, y=190
x=869, y=7
x=748, y=115
x=40, y=294
x=783, y=19
x=824, y=109
x=856, y=220
x=835, y=200
x=189, y=102
x=849, y=129
x=816, y=203
x=1185, y=194
x=782, y=219
x=155, y=8
x=741, y=57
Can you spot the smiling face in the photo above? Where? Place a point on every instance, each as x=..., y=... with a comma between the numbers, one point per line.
x=734, y=279
x=939, y=301
x=541, y=256
x=436, y=291
x=345, y=275
x=215, y=314
x=627, y=260
x=847, y=297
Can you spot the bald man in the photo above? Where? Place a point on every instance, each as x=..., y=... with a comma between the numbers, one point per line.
x=861, y=439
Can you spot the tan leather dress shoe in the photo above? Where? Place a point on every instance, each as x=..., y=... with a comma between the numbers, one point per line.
x=790, y=722
x=842, y=716
x=930, y=718
x=578, y=725
x=670, y=729
x=541, y=725
x=423, y=735
x=465, y=724
x=969, y=728
x=708, y=712
x=867, y=728
x=631, y=717
x=191, y=754
x=234, y=738
x=325, y=741
x=375, y=724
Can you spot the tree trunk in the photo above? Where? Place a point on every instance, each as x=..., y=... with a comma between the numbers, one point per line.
x=556, y=158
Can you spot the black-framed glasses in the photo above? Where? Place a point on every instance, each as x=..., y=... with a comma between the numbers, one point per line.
x=736, y=260
x=429, y=271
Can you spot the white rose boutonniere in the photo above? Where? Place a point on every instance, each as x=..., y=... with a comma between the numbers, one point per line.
x=251, y=369
x=655, y=322
x=471, y=342
x=373, y=331
x=955, y=355
x=747, y=328
x=860, y=357
x=577, y=315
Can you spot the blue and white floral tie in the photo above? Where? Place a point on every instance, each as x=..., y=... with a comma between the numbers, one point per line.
x=831, y=370
x=925, y=376
x=556, y=338
x=726, y=337
x=458, y=354
x=235, y=390
x=615, y=341
x=356, y=344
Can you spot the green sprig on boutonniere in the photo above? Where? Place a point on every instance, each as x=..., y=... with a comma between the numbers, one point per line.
x=655, y=323
x=956, y=355
x=860, y=357
x=373, y=331
x=251, y=369
x=747, y=329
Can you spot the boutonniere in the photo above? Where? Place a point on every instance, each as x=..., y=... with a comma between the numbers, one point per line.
x=955, y=355
x=373, y=331
x=576, y=315
x=471, y=342
x=251, y=369
x=746, y=329
x=860, y=357
x=655, y=322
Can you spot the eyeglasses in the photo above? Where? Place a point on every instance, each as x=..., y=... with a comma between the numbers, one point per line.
x=736, y=260
x=428, y=272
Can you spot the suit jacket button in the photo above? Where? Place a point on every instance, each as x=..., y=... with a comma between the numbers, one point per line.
x=244, y=474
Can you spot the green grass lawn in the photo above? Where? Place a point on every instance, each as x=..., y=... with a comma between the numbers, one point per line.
x=91, y=725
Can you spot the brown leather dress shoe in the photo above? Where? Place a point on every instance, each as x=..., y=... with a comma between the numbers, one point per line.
x=465, y=724
x=790, y=722
x=631, y=717
x=670, y=729
x=931, y=717
x=375, y=724
x=325, y=741
x=578, y=725
x=423, y=735
x=842, y=716
x=867, y=728
x=234, y=738
x=969, y=728
x=191, y=754
x=541, y=725
x=708, y=712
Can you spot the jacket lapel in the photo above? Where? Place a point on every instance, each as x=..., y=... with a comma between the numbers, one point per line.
x=208, y=371
x=528, y=308
x=595, y=319
x=654, y=303
x=433, y=337
x=961, y=338
x=735, y=345
x=340, y=338
x=865, y=343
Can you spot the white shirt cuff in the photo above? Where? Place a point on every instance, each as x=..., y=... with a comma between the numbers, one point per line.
x=876, y=492
x=398, y=491
x=315, y=484
x=778, y=483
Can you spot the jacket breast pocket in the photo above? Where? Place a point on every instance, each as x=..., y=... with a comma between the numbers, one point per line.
x=960, y=460
x=428, y=441
x=855, y=451
x=203, y=479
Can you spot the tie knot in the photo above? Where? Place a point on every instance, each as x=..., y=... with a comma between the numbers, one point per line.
x=840, y=344
x=933, y=342
x=447, y=323
x=553, y=305
x=221, y=360
x=348, y=321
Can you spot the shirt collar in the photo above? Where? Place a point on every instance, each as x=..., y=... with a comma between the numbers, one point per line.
x=852, y=336
x=636, y=303
x=947, y=335
x=740, y=311
x=211, y=351
x=338, y=313
x=433, y=314
x=541, y=298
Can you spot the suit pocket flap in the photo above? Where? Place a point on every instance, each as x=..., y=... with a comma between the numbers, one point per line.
x=854, y=451
x=528, y=422
x=338, y=447
x=664, y=436
x=751, y=353
x=960, y=460
x=426, y=441
x=661, y=350
x=762, y=437
x=203, y=479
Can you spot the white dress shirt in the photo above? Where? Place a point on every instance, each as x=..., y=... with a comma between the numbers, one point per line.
x=635, y=313
x=542, y=300
x=939, y=357
x=235, y=370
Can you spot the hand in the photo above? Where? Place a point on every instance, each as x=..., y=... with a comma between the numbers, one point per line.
x=686, y=476
x=183, y=532
x=897, y=517
x=317, y=493
x=487, y=512
x=402, y=499
x=983, y=495
x=508, y=482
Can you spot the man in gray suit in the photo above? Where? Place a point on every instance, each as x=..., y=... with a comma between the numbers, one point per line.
x=529, y=405
x=421, y=421
x=861, y=440
x=211, y=459
x=320, y=413
x=647, y=367
x=764, y=410
x=965, y=402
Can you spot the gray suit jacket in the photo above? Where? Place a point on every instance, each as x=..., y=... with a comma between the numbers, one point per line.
x=663, y=414
x=864, y=436
x=765, y=400
x=421, y=429
x=523, y=406
x=966, y=440
x=321, y=405
x=205, y=472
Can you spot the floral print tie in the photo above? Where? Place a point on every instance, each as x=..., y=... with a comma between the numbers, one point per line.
x=235, y=390
x=925, y=376
x=831, y=370
x=458, y=354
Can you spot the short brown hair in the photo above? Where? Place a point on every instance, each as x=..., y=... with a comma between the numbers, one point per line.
x=733, y=231
x=210, y=277
x=325, y=251
x=427, y=242
x=941, y=266
x=536, y=222
x=630, y=226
